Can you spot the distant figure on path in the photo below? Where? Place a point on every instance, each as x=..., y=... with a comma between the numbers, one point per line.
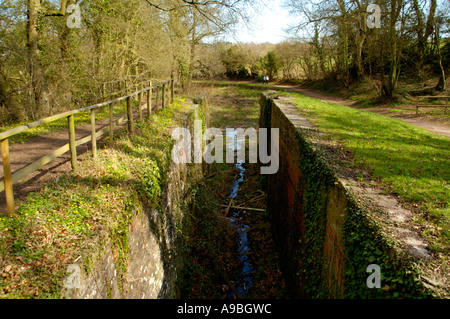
x=266, y=79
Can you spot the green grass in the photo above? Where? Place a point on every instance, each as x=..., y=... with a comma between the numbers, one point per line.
x=240, y=107
x=254, y=87
x=409, y=160
x=63, y=221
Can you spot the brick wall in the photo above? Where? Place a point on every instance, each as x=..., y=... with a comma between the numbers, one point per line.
x=288, y=206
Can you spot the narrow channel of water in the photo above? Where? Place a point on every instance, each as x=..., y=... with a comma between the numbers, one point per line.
x=245, y=279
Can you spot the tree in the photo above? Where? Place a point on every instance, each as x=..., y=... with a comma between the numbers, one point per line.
x=192, y=21
x=389, y=83
x=38, y=87
x=36, y=11
x=13, y=78
x=218, y=12
x=424, y=29
x=207, y=63
x=358, y=51
x=442, y=83
x=288, y=54
x=237, y=62
x=270, y=64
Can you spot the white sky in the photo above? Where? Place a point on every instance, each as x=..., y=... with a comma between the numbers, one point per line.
x=268, y=26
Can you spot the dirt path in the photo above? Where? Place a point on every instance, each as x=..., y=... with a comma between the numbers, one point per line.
x=413, y=119
x=35, y=148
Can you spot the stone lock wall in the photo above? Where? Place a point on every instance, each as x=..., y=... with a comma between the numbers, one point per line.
x=154, y=260
x=329, y=230
x=306, y=205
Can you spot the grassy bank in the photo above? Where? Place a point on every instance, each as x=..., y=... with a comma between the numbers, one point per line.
x=67, y=219
x=408, y=161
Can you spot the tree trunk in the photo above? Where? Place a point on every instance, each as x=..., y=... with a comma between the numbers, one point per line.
x=36, y=70
x=424, y=31
x=390, y=84
x=358, y=56
x=65, y=34
x=360, y=39
x=343, y=44
x=442, y=85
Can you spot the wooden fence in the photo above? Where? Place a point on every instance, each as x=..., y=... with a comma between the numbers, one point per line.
x=113, y=89
x=444, y=98
x=165, y=88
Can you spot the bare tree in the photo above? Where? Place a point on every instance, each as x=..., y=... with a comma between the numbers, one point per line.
x=424, y=29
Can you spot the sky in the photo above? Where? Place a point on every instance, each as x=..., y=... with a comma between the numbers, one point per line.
x=268, y=26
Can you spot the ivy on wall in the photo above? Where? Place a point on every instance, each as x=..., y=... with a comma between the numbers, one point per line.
x=364, y=242
x=316, y=178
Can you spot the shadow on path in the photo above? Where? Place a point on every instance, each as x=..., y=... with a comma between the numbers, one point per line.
x=37, y=147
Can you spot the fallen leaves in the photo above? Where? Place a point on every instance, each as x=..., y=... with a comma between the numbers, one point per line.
x=8, y=268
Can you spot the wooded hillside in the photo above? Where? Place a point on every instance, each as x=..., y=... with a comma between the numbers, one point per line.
x=55, y=55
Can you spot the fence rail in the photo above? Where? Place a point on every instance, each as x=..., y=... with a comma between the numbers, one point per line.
x=113, y=89
x=166, y=88
x=444, y=98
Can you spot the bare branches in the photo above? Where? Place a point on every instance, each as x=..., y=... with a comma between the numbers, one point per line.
x=217, y=12
x=160, y=7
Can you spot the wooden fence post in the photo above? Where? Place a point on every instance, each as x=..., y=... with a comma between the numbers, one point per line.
x=7, y=177
x=149, y=100
x=172, y=91
x=157, y=97
x=140, y=106
x=130, y=116
x=93, y=134
x=163, y=91
x=72, y=142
